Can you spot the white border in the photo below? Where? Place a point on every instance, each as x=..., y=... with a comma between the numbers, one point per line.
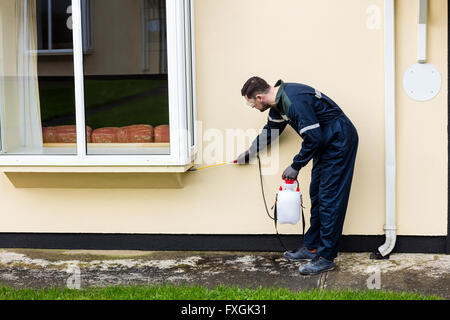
x=179, y=145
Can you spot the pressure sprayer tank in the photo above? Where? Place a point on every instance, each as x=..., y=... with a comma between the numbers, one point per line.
x=289, y=202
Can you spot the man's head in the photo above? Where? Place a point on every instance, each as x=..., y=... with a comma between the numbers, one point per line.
x=256, y=92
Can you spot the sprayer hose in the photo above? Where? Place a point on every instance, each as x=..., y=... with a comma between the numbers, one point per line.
x=265, y=204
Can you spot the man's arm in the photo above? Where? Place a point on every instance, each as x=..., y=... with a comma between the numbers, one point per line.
x=271, y=131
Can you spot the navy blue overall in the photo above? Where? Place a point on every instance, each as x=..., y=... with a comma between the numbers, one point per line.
x=331, y=141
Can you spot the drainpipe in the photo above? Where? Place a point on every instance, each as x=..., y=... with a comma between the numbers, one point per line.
x=390, y=105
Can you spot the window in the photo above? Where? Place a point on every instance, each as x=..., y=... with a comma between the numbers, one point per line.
x=54, y=26
x=129, y=102
x=127, y=106
x=154, y=35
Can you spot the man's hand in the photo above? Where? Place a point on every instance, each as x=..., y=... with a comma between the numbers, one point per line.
x=290, y=174
x=245, y=157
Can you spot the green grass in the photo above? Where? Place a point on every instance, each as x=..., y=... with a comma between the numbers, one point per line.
x=99, y=92
x=171, y=292
x=58, y=99
x=153, y=111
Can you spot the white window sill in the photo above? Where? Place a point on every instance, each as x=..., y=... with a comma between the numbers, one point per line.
x=97, y=149
x=68, y=52
x=98, y=169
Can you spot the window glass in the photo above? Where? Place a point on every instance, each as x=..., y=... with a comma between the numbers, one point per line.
x=54, y=25
x=126, y=84
x=42, y=24
x=61, y=24
x=38, y=104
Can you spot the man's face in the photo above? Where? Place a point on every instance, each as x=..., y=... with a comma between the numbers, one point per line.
x=257, y=103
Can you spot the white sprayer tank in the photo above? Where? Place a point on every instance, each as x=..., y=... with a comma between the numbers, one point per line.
x=289, y=202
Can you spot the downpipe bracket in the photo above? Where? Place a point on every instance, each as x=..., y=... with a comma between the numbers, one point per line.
x=376, y=255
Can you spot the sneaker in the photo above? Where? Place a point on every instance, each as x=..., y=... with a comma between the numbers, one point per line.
x=316, y=266
x=300, y=254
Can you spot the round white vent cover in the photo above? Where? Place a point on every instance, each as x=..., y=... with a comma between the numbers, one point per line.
x=422, y=82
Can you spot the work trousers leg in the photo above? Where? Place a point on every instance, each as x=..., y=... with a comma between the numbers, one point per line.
x=337, y=164
x=312, y=236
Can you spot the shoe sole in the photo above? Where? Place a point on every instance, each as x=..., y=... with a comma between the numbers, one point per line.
x=298, y=260
x=315, y=273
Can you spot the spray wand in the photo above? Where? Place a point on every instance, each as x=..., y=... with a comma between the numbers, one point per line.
x=212, y=166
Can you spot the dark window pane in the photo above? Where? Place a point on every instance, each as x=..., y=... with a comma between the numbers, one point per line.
x=42, y=24
x=61, y=24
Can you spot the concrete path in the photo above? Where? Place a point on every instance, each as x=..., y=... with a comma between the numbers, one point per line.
x=22, y=268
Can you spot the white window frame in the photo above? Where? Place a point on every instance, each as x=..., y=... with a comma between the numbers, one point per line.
x=181, y=152
x=189, y=56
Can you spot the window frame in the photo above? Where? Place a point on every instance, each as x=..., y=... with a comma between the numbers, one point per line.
x=191, y=76
x=181, y=152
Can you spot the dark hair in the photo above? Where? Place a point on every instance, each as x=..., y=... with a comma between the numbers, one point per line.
x=254, y=86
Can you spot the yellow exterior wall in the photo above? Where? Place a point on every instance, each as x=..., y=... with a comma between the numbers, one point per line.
x=335, y=46
x=422, y=128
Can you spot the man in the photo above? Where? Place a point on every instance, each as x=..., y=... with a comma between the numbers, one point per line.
x=330, y=140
